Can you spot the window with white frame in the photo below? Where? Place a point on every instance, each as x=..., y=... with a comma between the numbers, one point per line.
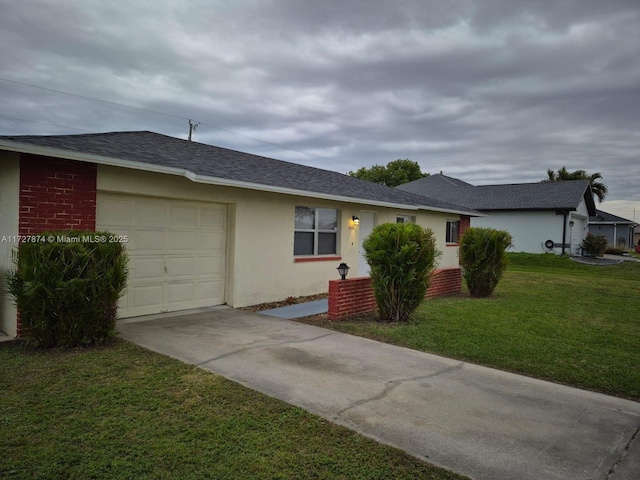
x=316, y=231
x=405, y=219
x=453, y=227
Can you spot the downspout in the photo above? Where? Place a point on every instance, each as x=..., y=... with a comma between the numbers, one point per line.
x=564, y=230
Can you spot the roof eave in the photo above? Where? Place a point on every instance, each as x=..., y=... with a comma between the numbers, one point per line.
x=118, y=162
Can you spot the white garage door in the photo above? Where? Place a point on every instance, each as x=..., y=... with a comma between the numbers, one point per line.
x=176, y=251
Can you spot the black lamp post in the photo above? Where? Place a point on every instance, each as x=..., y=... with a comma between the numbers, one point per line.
x=343, y=269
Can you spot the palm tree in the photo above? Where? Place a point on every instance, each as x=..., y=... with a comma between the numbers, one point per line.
x=599, y=189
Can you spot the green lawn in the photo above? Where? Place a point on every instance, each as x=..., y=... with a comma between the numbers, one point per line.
x=121, y=412
x=550, y=318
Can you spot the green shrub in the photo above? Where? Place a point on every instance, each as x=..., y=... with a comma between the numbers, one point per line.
x=67, y=289
x=594, y=244
x=402, y=257
x=483, y=258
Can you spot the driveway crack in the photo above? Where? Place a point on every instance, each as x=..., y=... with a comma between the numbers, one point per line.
x=392, y=384
x=246, y=349
x=623, y=454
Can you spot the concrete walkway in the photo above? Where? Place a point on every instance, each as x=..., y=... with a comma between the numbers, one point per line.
x=299, y=310
x=477, y=421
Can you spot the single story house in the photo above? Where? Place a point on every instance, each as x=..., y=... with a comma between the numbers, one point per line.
x=617, y=230
x=541, y=217
x=204, y=225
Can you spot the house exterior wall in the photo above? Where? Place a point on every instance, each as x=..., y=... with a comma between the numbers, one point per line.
x=618, y=236
x=9, y=216
x=261, y=266
x=580, y=227
x=529, y=229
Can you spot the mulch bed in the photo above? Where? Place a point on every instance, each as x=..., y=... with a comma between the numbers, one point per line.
x=284, y=303
x=596, y=260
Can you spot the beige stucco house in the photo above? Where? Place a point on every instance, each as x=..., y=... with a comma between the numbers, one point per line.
x=203, y=225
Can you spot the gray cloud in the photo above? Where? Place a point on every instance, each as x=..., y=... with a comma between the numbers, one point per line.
x=491, y=91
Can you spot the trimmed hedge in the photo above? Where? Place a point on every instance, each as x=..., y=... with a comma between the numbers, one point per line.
x=594, y=244
x=402, y=257
x=66, y=287
x=483, y=258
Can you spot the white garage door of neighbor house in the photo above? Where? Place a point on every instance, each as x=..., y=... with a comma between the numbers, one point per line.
x=176, y=251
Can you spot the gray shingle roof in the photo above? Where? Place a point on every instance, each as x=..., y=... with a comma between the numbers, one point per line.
x=564, y=195
x=604, y=217
x=221, y=163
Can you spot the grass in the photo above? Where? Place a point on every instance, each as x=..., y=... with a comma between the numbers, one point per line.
x=121, y=412
x=550, y=318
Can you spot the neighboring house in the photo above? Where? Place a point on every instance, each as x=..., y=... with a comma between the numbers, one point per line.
x=541, y=217
x=205, y=225
x=636, y=235
x=617, y=230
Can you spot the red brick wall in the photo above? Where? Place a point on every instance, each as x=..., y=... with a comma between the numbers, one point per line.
x=465, y=222
x=349, y=297
x=445, y=281
x=56, y=194
x=354, y=296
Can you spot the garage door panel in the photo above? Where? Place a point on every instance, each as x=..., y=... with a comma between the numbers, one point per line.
x=211, y=266
x=213, y=287
x=144, y=241
x=112, y=211
x=182, y=267
x=213, y=217
x=147, y=296
x=180, y=292
x=211, y=240
x=184, y=216
x=145, y=269
x=181, y=240
x=150, y=213
x=177, y=251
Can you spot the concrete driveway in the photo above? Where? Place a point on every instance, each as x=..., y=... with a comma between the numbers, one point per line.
x=477, y=421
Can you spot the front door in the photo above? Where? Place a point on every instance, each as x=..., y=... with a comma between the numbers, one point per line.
x=367, y=222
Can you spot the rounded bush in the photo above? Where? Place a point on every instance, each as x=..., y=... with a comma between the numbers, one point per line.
x=401, y=257
x=67, y=286
x=594, y=244
x=483, y=258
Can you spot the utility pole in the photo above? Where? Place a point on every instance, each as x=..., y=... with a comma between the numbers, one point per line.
x=193, y=126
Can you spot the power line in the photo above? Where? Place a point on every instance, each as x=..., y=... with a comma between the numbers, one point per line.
x=44, y=123
x=92, y=98
x=154, y=112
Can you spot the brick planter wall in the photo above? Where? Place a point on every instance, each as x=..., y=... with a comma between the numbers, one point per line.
x=445, y=281
x=354, y=296
x=55, y=194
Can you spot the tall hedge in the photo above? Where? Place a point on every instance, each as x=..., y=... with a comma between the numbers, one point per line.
x=483, y=258
x=66, y=286
x=402, y=257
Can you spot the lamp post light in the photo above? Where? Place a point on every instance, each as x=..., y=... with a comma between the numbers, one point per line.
x=343, y=269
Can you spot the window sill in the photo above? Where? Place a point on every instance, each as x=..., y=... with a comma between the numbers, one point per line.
x=452, y=245
x=317, y=259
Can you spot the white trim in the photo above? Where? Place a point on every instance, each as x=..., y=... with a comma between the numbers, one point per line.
x=116, y=162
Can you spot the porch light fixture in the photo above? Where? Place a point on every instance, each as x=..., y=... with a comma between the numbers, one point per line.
x=356, y=220
x=343, y=269
x=571, y=223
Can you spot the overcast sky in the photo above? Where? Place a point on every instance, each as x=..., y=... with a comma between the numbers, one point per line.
x=488, y=91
